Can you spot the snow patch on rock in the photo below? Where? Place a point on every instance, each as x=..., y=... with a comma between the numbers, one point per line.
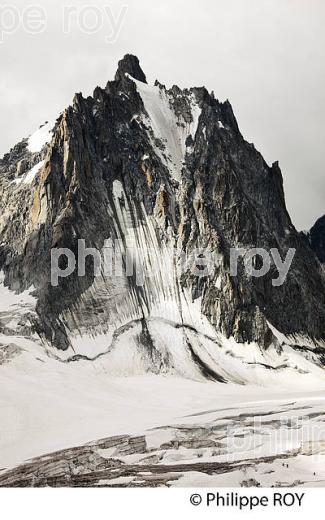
x=41, y=137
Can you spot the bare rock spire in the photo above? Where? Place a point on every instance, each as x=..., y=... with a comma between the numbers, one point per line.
x=130, y=64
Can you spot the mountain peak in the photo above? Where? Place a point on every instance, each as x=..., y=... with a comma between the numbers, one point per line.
x=130, y=64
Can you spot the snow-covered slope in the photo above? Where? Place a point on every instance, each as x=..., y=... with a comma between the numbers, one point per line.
x=242, y=432
x=164, y=125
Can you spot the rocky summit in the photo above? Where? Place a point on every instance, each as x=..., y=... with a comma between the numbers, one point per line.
x=154, y=170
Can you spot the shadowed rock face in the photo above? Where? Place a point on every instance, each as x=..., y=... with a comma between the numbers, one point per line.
x=130, y=65
x=168, y=168
x=317, y=238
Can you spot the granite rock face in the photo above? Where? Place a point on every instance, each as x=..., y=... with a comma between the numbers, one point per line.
x=317, y=238
x=154, y=170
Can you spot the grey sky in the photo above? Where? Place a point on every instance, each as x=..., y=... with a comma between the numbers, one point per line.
x=266, y=56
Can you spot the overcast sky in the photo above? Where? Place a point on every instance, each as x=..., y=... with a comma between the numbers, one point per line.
x=266, y=56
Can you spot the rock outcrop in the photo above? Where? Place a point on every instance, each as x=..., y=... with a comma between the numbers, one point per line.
x=317, y=238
